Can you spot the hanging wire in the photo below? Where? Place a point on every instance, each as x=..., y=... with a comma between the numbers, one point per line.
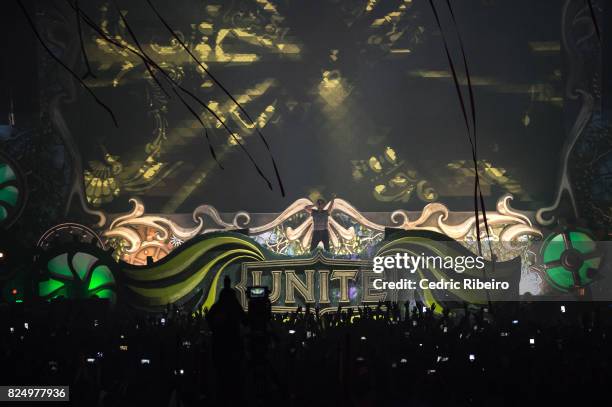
x=242, y=109
x=592, y=11
x=479, y=204
x=175, y=85
x=63, y=65
x=89, y=72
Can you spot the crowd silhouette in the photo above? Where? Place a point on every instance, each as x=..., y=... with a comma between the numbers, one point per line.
x=387, y=354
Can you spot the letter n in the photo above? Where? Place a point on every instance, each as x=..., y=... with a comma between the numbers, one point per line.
x=294, y=283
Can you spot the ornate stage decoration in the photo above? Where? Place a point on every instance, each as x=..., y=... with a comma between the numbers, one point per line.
x=107, y=179
x=463, y=176
x=582, y=94
x=135, y=236
x=69, y=232
x=76, y=271
x=391, y=178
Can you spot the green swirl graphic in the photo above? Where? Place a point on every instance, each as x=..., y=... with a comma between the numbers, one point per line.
x=193, y=270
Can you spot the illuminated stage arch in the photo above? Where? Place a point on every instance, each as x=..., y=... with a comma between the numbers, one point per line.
x=181, y=259
x=290, y=232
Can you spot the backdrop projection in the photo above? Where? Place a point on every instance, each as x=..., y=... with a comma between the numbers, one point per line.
x=356, y=100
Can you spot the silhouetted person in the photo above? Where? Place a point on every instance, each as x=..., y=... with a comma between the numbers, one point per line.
x=224, y=319
x=320, y=219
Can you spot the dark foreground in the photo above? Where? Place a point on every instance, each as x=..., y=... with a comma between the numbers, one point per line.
x=519, y=354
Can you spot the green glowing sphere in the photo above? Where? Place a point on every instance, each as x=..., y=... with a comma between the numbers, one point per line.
x=571, y=259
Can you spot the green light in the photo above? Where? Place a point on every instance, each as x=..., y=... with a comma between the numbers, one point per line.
x=45, y=288
x=559, y=274
x=105, y=294
x=6, y=173
x=554, y=250
x=81, y=277
x=9, y=194
x=82, y=262
x=99, y=277
x=59, y=266
x=582, y=242
x=560, y=277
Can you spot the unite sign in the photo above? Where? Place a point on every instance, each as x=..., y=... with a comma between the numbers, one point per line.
x=315, y=281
